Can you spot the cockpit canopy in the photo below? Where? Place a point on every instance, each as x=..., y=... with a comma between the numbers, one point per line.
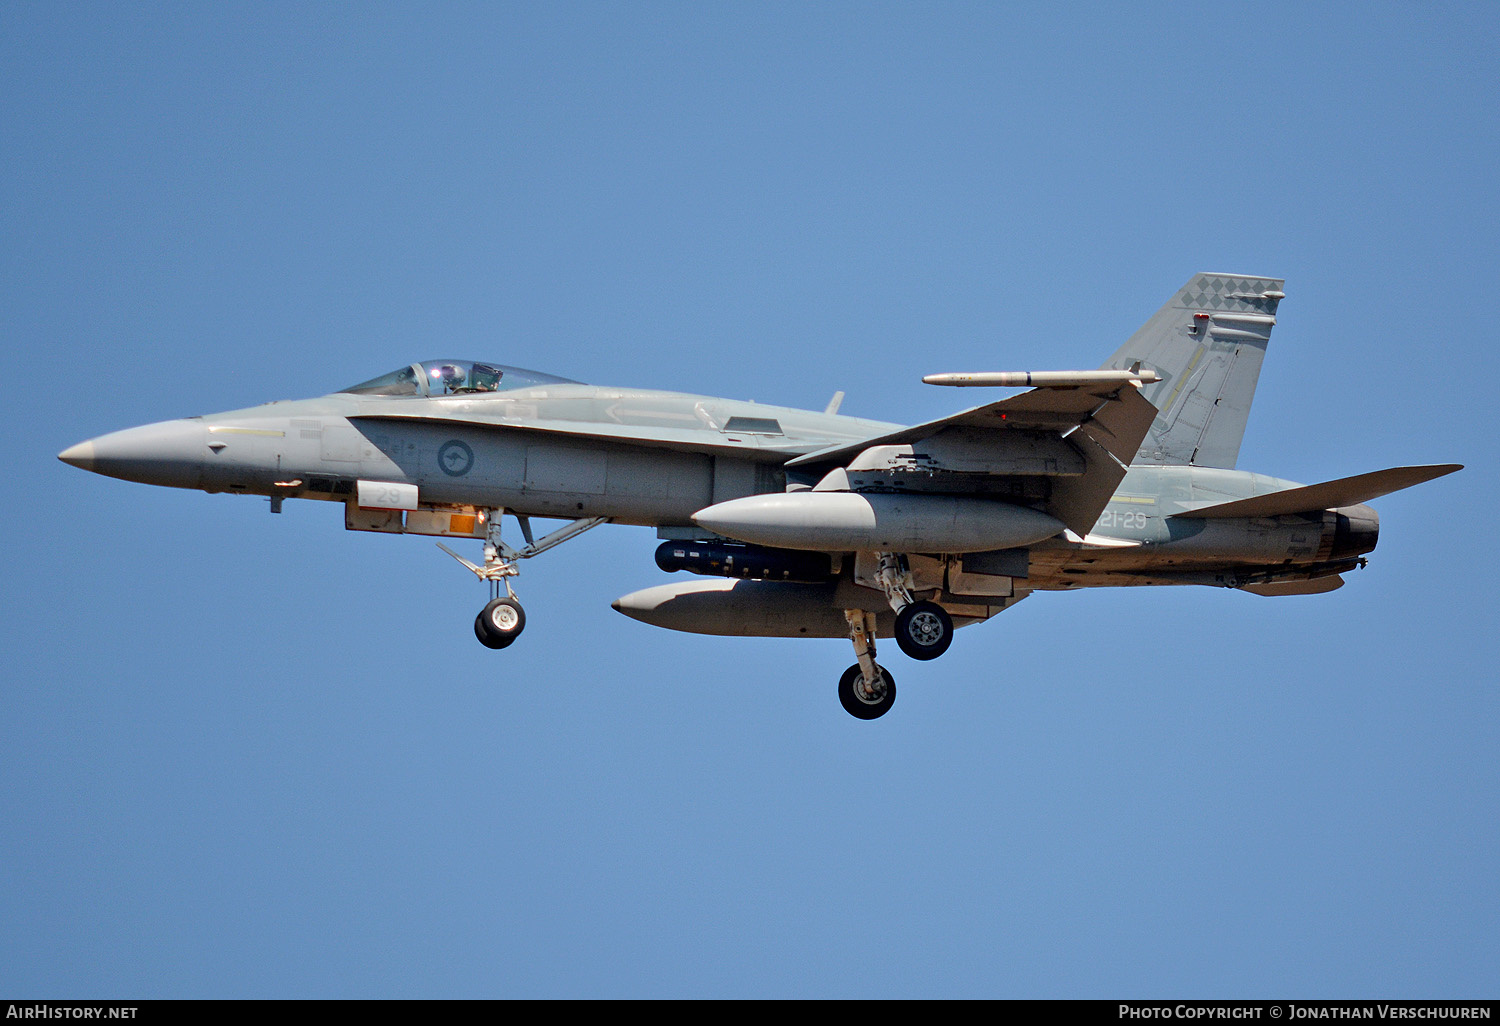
x=453, y=377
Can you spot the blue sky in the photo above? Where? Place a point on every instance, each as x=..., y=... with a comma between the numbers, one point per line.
x=246, y=755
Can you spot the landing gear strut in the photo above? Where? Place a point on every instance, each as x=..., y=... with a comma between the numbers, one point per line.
x=502, y=620
x=866, y=689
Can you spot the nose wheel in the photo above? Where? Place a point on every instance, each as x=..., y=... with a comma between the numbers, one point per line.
x=500, y=623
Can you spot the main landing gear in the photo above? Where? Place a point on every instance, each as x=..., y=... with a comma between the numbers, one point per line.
x=924, y=630
x=866, y=689
x=502, y=620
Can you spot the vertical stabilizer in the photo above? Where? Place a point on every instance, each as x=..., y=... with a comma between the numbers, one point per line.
x=1207, y=343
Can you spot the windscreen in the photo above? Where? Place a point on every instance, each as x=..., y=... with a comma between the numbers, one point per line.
x=454, y=377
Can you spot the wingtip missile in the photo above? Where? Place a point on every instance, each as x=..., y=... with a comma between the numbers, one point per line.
x=1044, y=379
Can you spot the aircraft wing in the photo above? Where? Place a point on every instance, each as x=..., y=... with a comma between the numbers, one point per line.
x=1077, y=439
x=1346, y=491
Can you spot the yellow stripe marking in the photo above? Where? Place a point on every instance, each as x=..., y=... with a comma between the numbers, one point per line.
x=1183, y=380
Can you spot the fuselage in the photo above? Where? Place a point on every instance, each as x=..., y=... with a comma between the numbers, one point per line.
x=654, y=458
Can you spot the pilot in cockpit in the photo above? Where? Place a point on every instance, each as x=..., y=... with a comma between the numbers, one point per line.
x=454, y=379
x=447, y=378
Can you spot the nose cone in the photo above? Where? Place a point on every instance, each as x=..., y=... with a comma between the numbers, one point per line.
x=169, y=453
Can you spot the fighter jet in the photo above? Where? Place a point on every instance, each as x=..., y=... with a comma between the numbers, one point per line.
x=810, y=524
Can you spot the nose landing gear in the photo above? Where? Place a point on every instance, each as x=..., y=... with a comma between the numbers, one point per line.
x=502, y=620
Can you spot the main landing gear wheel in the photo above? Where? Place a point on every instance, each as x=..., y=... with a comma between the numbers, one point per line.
x=864, y=702
x=500, y=623
x=924, y=630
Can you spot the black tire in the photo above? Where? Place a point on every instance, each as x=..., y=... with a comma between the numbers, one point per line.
x=924, y=630
x=503, y=620
x=485, y=638
x=858, y=706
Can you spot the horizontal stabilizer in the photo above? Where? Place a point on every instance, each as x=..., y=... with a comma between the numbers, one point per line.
x=1346, y=491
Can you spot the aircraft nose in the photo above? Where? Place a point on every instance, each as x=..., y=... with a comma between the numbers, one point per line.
x=168, y=453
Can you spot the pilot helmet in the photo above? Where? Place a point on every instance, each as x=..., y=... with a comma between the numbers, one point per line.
x=450, y=376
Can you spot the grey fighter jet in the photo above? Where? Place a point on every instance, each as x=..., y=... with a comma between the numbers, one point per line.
x=815, y=525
